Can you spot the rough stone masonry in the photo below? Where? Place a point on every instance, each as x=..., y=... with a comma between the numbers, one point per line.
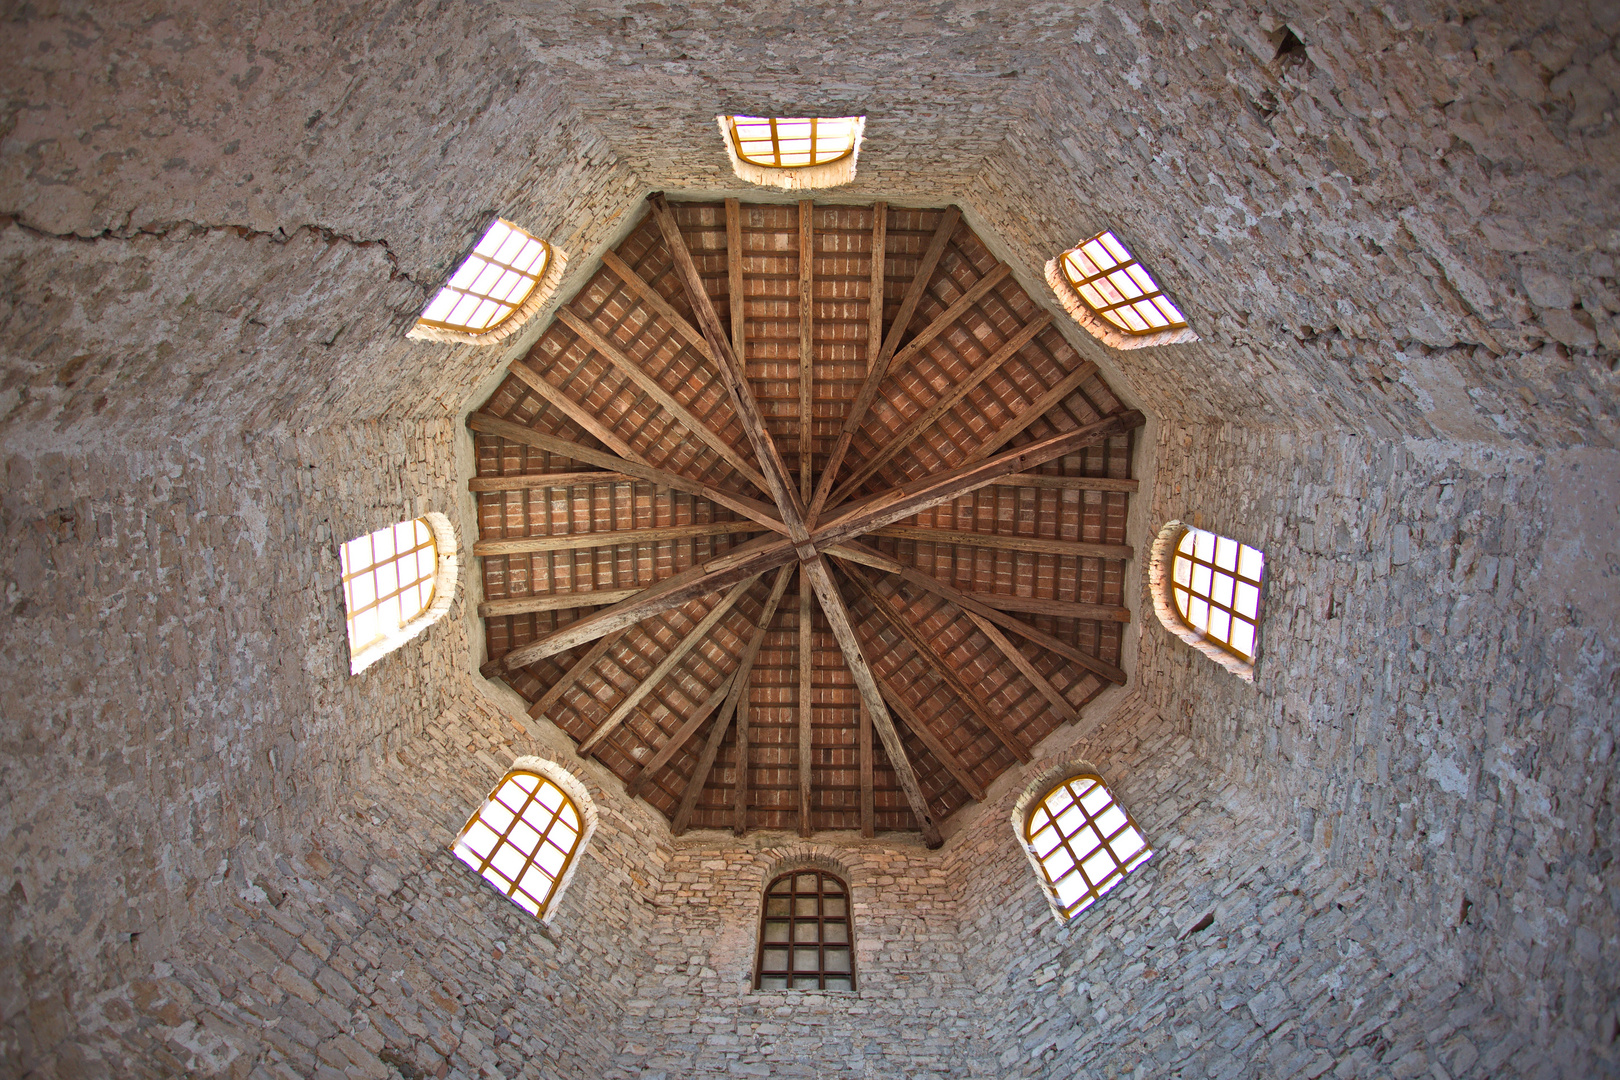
x=1392, y=855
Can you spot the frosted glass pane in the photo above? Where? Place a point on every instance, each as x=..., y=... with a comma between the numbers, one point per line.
x=776, y=931
x=1098, y=866
x=526, y=781
x=1058, y=863
x=837, y=960
x=1220, y=624
x=833, y=907
x=1127, y=844
x=549, y=797
x=1044, y=841
x=806, y=959
x=1247, y=600
x=1225, y=553
x=1243, y=637
x=1109, y=821
x=550, y=859
x=496, y=816
x=1251, y=563
x=1070, y=820
x=523, y=837
x=1070, y=889
x=508, y=860
x=1095, y=800
x=493, y=238
x=440, y=305
x=775, y=960
x=836, y=932
x=806, y=931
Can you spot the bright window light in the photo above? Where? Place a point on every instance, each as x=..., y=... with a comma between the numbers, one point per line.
x=522, y=839
x=491, y=283
x=1084, y=841
x=1216, y=582
x=796, y=142
x=1118, y=288
x=387, y=580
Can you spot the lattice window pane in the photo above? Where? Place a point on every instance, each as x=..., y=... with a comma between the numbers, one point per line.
x=387, y=580
x=1217, y=589
x=1097, y=843
x=1118, y=288
x=491, y=283
x=520, y=840
x=805, y=936
x=796, y=142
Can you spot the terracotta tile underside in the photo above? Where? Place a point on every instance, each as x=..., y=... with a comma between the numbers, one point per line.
x=841, y=276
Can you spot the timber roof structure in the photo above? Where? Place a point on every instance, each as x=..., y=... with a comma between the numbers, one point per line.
x=804, y=517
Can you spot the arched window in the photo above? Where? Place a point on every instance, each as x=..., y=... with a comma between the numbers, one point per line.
x=805, y=941
x=523, y=839
x=396, y=582
x=1084, y=842
x=1206, y=590
x=793, y=152
x=505, y=279
x=1113, y=295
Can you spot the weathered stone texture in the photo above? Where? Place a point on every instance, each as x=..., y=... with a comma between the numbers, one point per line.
x=227, y=856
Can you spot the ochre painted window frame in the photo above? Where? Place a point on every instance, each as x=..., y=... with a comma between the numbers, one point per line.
x=1079, y=785
x=543, y=288
x=1095, y=320
x=823, y=174
x=1162, y=587
x=544, y=905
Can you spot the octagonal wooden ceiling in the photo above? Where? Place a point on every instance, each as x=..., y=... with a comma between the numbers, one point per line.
x=757, y=622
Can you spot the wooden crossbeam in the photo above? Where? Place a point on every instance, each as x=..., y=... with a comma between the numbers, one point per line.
x=687, y=729
x=864, y=748
x=722, y=723
x=807, y=660
x=557, y=689
x=522, y=433
x=586, y=419
x=879, y=367
x=807, y=312
x=655, y=300
x=1025, y=666
x=778, y=480
x=1001, y=619
x=1058, y=609
x=692, y=639
x=745, y=561
x=521, y=545
x=929, y=491
x=837, y=612
x=533, y=481
x=889, y=446
x=1033, y=545
x=736, y=284
x=1037, y=409
x=925, y=735
x=525, y=605
x=947, y=318
x=1069, y=483
x=928, y=652
x=653, y=389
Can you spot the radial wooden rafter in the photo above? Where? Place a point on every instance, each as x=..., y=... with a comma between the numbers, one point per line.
x=948, y=484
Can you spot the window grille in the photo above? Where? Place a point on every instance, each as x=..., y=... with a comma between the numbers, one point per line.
x=1216, y=583
x=1084, y=842
x=1118, y=288
x=805, y=940
x=522, y=839
x=798, y=142
x=491, y=284
x=388, y=581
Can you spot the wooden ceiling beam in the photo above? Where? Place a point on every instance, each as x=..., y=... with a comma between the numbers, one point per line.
x=586, y=419
x=925, y=735
x=807, y=666
x=930, y=491
x=522, y=433
x=864, y=749
x=745, y=561
x=880, y=366
x=928, y=652
x=655, y=300
x=651, y=387
x=657, y=534
x=1037, y=409
x=668, y=664
x=889, y=446
x=837, y=612
x=1040, y=637
x=1032, y=545
x=682, y=734
x=557, y=689
x=1069, y=483
x=1025, y=666
x=1058, y=609
x=530, y=481
x=527, y=605
x=947, y=318
x=739, y=689
x=778, y=481
x=807, y=359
